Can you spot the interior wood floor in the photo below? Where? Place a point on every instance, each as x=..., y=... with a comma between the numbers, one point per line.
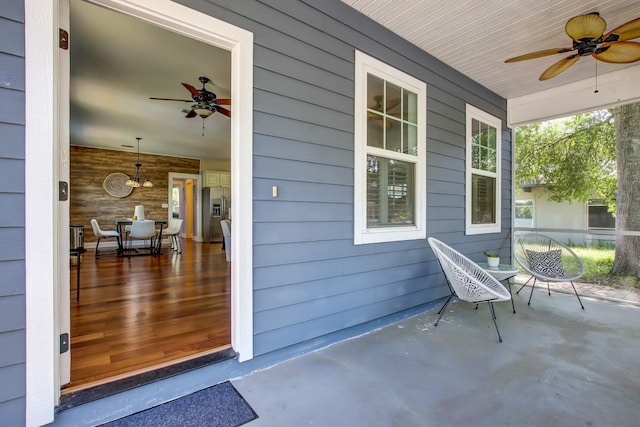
x=144, y=312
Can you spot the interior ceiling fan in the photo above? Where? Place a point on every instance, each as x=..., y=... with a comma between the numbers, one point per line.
x=205, y=102
x=587, y=33
x=391, y=104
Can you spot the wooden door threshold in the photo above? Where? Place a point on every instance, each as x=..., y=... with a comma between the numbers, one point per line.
x=85, y=393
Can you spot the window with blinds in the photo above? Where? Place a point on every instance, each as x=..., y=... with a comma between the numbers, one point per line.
x=390, y=153
x=483, y=172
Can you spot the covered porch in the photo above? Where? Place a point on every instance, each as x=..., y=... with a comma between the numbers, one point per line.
x=558, y=366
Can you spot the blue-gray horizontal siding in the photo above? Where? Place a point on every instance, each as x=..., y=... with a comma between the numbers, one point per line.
x=12, y=265
x=309, y=277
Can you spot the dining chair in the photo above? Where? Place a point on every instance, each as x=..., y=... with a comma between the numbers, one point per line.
x=102, y=234
x=173, y=232
x=142, y=230
x=548, y=260
x=468, y=281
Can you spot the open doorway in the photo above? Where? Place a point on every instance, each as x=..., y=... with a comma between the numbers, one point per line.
x=48, y=124
x=188, y=189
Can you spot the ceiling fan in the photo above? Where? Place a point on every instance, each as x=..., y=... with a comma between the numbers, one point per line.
x=587, y=33
x=391, y=104
x=205, y=102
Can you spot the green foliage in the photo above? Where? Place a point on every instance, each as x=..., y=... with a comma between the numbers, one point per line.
x=575, y=157
x=598, y=265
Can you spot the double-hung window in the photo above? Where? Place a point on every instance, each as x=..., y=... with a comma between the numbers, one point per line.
x=482, y=172
x=390, y=153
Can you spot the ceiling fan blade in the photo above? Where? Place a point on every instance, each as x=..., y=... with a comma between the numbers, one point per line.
x=193, y=90
x=618, y=52
x=377, y=106
x=392, y=103
x=539, y=54
x=589, y=26
x=559, y=67
x=628, y=31
x=224, y=101
x=191, y=114
x=171, y=99
x=224, y=111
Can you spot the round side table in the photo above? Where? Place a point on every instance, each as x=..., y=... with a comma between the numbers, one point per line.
x=502, y=273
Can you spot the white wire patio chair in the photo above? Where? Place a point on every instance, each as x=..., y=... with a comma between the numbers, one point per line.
x=546, y=259
x=468, y=281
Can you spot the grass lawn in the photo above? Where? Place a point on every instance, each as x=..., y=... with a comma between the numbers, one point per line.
x=598, y=263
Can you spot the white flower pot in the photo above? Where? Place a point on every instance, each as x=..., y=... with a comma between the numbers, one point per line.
x=493, y=261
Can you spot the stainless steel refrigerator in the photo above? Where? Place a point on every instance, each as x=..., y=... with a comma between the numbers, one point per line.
x=216, y=203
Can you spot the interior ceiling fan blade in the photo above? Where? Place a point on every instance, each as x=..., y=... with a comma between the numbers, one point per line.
x=171, y=99
x=193, y=90
x=589, y=26
x=224, y=101
x=224, y=111
x=628, y=31
x=618, y=52
x=377, y=106
x=191, y=114
x=539, y=54
x=559, y=67
x=392, y=103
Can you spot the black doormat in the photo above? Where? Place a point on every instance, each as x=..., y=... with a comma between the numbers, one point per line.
x=217, y=406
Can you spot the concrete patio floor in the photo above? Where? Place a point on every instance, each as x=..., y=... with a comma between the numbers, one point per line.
x=558, y=366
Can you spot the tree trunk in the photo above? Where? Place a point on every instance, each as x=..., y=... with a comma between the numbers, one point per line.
x=627, y=257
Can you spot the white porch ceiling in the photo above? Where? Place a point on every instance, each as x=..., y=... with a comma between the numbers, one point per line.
x=476, y=36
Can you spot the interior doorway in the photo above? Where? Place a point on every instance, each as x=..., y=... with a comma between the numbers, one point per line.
x=185, y=202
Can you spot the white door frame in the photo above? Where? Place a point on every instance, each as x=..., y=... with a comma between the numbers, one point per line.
x=43, y=236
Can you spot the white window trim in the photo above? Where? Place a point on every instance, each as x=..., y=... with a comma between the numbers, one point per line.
x=364, y=65
x=475, y=113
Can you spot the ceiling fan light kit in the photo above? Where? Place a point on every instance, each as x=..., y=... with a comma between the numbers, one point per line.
x=205, y=102
x=587, y=33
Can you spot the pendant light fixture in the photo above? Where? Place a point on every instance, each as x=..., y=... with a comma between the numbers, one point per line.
x=134, y=180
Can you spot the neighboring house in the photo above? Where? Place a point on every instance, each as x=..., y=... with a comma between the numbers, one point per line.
x=591, y=222
x=340, y=250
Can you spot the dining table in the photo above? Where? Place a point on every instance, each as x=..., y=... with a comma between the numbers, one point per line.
x=121, y=226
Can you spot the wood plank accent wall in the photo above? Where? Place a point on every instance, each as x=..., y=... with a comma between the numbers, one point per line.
x=89, y=168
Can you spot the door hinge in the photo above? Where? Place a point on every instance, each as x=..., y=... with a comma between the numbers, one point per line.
x=63, y=191
x=64, y=343
x=64, y=39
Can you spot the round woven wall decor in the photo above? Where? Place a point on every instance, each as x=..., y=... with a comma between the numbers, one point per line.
x=115, y=184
